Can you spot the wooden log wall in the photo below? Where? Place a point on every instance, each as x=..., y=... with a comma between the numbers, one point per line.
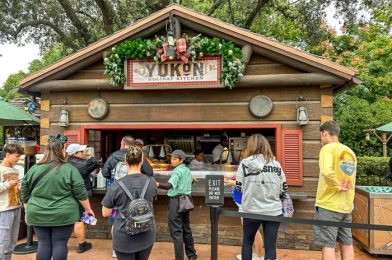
x=206, y=105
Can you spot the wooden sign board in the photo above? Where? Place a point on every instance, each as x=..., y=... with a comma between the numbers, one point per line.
x=44, y=123
x=44, y=140
x=215, y=193
x=147, y=74
x=45, y=105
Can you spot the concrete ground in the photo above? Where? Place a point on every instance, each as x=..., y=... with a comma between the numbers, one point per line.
x=164, y=251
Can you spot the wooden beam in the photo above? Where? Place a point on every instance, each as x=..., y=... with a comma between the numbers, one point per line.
x=325, y=119
x=45, y=105
x=301, y=79
x=326, y=101
x=247, y=52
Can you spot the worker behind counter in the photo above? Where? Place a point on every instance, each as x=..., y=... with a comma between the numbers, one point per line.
x=199, y=158
x=219, y=150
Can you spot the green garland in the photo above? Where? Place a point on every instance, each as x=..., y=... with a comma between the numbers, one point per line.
x=197, y=47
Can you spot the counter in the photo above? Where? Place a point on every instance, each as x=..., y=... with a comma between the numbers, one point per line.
x=198, y=188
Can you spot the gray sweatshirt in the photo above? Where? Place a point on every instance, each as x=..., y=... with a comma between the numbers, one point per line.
x=262, y=184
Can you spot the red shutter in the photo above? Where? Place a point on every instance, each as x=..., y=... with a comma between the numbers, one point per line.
x=73, y=136
x=292, y=156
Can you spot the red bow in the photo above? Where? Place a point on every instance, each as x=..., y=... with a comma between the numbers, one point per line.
x=180, y=51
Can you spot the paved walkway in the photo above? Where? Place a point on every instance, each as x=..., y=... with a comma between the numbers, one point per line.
x=164, y=251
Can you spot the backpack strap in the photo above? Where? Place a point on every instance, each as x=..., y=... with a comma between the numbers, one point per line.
x=145, y=187
x=122, y=185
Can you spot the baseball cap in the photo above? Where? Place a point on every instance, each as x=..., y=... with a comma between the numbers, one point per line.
x=178, y=153
x=74, y=148
x=139, y=141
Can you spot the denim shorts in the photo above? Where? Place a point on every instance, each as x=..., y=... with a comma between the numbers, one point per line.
x=326, y=236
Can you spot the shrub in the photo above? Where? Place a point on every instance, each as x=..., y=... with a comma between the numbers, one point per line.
x=373, y=171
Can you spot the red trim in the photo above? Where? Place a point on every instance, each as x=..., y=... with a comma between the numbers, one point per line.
x=130, y=84
x=277, y=127
x=294, y=175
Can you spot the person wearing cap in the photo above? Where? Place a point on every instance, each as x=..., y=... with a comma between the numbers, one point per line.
x=219, y=149
x=180, y=183
x=77, y=158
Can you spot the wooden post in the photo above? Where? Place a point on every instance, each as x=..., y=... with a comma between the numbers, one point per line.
x=384, y=145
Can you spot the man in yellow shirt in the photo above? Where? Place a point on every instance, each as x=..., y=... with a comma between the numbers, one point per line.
x=335, y=193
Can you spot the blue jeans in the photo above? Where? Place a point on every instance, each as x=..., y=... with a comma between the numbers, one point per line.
x=9, y=230
x=270, y=234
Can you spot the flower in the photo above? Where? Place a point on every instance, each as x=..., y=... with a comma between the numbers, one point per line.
x=230, y=52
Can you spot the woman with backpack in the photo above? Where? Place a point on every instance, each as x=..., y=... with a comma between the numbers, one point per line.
x=50, y=191
x=134, y=227
x=262, y=182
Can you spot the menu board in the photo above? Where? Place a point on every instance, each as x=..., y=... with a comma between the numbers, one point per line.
x=215, y=194
x=13, y=192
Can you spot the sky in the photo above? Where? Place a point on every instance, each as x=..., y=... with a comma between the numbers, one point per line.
x=15, y=58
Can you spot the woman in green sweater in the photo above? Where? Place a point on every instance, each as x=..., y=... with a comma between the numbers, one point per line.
x=50, y=190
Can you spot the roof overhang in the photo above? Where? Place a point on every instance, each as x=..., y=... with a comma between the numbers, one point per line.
x=206, y=25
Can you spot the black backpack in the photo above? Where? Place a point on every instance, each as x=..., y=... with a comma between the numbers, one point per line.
x=140, y=214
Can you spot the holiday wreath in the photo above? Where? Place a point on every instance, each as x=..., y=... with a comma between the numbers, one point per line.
x=187, y=49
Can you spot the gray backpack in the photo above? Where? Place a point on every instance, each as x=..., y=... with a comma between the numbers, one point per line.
x=120, y=170
x=140, y=213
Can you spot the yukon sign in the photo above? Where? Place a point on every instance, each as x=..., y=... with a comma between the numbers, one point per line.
x=144, y=74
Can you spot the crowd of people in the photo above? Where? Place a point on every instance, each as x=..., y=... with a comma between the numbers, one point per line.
x=55, y=193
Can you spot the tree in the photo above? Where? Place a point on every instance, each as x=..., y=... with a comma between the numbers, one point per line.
x=76, y=24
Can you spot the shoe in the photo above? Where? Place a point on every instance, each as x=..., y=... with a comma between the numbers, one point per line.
x=84, y=247
x=192, y=258
x=239, y=257
x=114, y=254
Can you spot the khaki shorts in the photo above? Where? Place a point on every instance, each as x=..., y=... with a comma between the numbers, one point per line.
x=327, y=236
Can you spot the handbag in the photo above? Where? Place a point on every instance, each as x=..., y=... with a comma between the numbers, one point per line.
x=185, y=203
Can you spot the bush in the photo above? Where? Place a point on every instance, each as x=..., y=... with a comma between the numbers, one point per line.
x=373, y=171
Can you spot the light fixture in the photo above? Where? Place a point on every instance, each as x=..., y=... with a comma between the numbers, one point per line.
x=302, y=116
x=170, y=52
x=367, y=136
x=64, y=116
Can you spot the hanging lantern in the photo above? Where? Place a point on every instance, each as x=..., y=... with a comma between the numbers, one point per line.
x=170, y=52
x=302, y=116
x=367, y=136
x=63, y=118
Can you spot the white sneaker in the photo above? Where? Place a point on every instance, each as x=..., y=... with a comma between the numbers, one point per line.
x=239, y=257
x=114, y=254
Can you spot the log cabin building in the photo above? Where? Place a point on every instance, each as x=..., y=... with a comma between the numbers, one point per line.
x=278, y=84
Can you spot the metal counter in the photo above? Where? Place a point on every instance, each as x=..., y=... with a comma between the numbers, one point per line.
x=198, y=188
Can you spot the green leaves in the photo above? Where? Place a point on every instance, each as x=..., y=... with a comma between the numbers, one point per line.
x=197, y=47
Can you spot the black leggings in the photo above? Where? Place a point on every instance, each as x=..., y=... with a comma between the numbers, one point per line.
x=52, y=242
x=140, y=255
x=270, y=233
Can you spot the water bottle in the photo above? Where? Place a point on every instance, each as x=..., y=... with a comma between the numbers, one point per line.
x=89, y=219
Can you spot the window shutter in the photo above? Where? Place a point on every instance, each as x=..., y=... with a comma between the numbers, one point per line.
x=73, y=136
x=292, y=156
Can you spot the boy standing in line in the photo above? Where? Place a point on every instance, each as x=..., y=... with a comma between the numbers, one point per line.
x=335, y=193
x=180, y=183
x=9, y=200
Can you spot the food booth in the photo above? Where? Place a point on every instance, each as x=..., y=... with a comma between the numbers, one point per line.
x=142, y=81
